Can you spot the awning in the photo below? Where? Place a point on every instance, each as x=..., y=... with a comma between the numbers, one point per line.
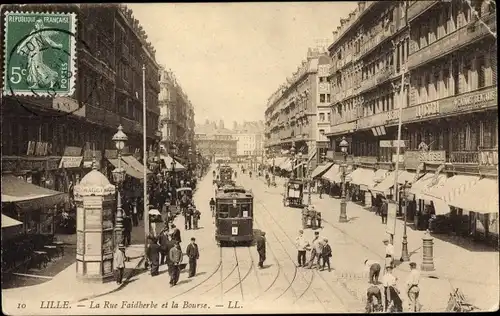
x=321, y=169
x=128, y=169
x=168, y=163
x=379, y=176
x=406, y=176
x=385, y=186
x=333, y=174
x=132, y=161
x=448, y=191
x=10, y=222
x=29, y=196
x=70, y=162
x=362, y=176
x=286, y=165
x=481, y=197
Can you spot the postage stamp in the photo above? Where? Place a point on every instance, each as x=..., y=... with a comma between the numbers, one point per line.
x=40, y=54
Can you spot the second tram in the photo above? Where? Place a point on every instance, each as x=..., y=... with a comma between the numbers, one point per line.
x=233, y=215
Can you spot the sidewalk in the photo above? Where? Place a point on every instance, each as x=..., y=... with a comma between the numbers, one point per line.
x=473, y=270
x=66, y=287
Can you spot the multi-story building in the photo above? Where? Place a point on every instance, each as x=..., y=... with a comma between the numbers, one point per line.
x=433, y=62
x=38, y=133
x=250, y=138
x=297, y=113
x=176, y=114
x=215, y=142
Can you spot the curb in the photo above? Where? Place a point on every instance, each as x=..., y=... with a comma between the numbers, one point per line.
x=121, y=286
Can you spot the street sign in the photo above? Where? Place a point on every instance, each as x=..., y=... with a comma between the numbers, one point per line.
x=392, y=143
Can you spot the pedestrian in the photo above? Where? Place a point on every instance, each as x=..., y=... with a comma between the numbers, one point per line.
x=320, y=189
x=393, y=302
x=302, y=246
x=193, y=254
x=413, y=289
x=163, y=239
x=153, y=254
x=374, y=267
x=212, y=206
x=127, y=230
x=188, y=215
x=196, y=218
x=119, y=259
x=383, y=211
x=373, y=299
x=261, y=249
x=175, y=259
x=175, y=234
x=389, y=253
x=315, y=254
x=326, y=254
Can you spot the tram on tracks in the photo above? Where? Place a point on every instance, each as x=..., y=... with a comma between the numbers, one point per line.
x=233, y=216
x=225, y=176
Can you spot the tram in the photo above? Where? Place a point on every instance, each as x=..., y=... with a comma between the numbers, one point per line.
x=225, y=176
x=233, y=216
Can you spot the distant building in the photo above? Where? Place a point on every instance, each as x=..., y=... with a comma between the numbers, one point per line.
x=298, y=112
x=250, y=137
x=215, y=142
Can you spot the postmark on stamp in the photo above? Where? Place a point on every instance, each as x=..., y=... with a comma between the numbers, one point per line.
x=40, y=53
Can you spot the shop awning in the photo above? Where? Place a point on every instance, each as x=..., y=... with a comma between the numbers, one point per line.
x=450, y=189
x=481, y=197
x=425, y=183
x=128, y=169
x=379, y=176
x=406, y=176
x=286, y=165
x=333, y=174
x=10, y=222
x=362, y=176
x=385, y=186
x=132, y=161
x=168, y=163
x=70, y=162
x=29, y=196
x=321, y=169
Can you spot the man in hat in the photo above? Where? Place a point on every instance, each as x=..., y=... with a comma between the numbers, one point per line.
x=384, y=210
x=193, y=254
x=326, y=254
x=302, y=246
x=261, y=249
x=389, y=253
x=317, y=250
x=153, y=254
x=163, y=240
x=119, y=259
x=392, y=300
x=374, y=268
x=175, y=234
x=412, y=287
x=176, y=260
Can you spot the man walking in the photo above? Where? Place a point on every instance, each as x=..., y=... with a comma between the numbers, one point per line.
x=119, y=259
x=326, y=254
x=384, y=211
x=188, y=214
x=196, y=217
x=374, y=267
x=153, y=254
x=413, y=290
x=302, y=246
x=261, y=249
x=175, y=234
x=175, y=259
x=163, y=239
x=316, y=252
x=193, y=254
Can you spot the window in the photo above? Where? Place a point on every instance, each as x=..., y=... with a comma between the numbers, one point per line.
x=456, y=77
x=322, y=98
x=328, y=100
x=223, y=211
x=322, y=79
x=480, y=67
x=328, y=117
x=466, y=74
x=322, y=132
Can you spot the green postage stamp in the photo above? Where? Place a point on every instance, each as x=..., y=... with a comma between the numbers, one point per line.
x=40, y=53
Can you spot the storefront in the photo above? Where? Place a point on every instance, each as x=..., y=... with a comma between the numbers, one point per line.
x=360, y=180
x=70, y=171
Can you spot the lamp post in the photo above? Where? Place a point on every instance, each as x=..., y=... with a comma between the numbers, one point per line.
x=174, y=151
x=309, y=199
x=404, y=251
x=298, y=160
x=292, y=154
x=190, y=153
x=118, y=176
x=343, y=215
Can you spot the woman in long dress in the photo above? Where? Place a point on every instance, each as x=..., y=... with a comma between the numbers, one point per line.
x=39, y=74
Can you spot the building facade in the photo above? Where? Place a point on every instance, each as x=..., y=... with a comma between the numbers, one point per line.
x=448, y=100
x=38, y=132
x=176, y=114
x=297, y=113
x=215, y=142
x=250, y=136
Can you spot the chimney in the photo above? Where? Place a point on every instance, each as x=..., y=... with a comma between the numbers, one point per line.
x=235, y=125
x=221, y=124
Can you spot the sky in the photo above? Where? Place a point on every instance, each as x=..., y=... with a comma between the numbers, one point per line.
x=230, y=57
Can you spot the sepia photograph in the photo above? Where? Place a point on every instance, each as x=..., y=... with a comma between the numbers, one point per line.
x=325, y=157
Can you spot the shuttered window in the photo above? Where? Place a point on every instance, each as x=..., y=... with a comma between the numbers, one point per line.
x=480, y=68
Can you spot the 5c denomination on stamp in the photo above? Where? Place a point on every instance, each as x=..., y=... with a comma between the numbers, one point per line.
x=40, y=53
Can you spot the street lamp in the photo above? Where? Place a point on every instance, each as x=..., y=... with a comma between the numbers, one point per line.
x=298, y=160
x=404, y=252
x=190, y=153
x=309, y=199
x=343, y=215
x=292, y=154
x=118, y=176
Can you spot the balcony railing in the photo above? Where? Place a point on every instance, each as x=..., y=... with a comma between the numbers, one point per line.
x=464, y=157
x=488, y=157
x=418, y=7
x=374, y=41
